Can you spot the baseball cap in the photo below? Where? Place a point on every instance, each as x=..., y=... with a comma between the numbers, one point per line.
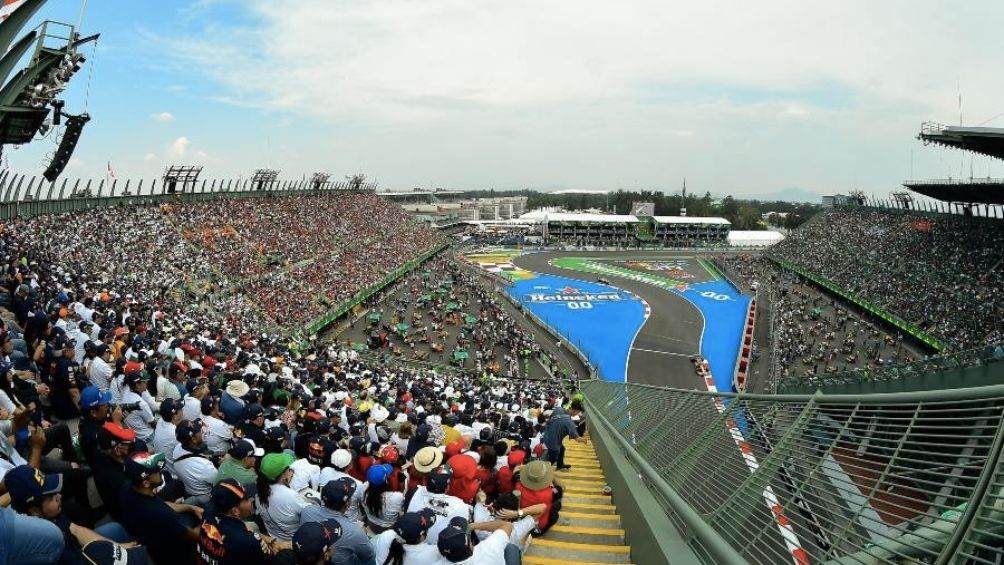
x=312, y=539
x=455, y=448
x=253, y=411
x=229, y=493
x=341, y=458
x=244, y=447
x=427, y=459
x=141, y=465
x=112, y=434
x=454, y=540
x=208, y=402
x=169, y=408
x=335, y=493
x=390, y=454
x=187, y=429
x=192, y=384
x=413, y=525
x=274, y=464
x=133, y=377
x=318, y=449
x=91, y=397
x=107, y=552
x=439, y=479
x=378, y=474
x=27, y=485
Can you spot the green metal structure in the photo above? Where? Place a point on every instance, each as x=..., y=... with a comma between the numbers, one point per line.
x=812, y=478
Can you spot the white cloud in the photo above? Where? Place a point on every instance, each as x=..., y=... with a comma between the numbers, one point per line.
x=576, y=93
x=150, y=158
x=162, y=117
x=179, y=147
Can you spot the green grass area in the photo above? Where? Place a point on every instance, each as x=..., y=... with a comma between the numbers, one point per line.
x=711, y=269
x=585, y=265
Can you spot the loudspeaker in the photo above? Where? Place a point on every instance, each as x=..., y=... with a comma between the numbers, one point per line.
x=74, y=127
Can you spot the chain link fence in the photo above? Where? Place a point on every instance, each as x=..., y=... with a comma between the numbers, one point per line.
x=881, y=478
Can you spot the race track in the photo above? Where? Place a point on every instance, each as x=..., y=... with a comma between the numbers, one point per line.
x=661, y=351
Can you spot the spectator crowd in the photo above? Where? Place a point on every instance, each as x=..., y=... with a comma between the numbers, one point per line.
x=942, y=273
x=147, y=413
x=813, y=333
x=444, y=313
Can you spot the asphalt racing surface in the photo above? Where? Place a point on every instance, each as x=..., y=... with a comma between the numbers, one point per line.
x=661, y=352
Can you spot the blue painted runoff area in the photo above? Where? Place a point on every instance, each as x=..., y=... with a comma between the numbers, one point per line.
x=600, y=320
x=724, y=310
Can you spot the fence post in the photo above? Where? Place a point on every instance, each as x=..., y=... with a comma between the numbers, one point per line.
x=52, y=186
x=17, y=191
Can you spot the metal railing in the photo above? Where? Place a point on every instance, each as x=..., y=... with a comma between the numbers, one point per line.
x=24, y=196
x=881, y=478
x=929, y=365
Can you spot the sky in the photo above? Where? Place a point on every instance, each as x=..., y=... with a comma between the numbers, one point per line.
x=740, y=98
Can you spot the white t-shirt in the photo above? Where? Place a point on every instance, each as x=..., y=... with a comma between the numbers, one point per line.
x=10, y=457
x=491, y=551
x=418, y=554
x=392, y=507
x=282, y=516
x=141, y=420
x=192, y=410
x=99, y=372
x=445, y=506
x=217, y=434
x=305, y=474
x=164, y=440
x=355, y=510
x=197, y=473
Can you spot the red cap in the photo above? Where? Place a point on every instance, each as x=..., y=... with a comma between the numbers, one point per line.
x=390, y=454
x=516, y=457
x=454, y=448
x=123, y=434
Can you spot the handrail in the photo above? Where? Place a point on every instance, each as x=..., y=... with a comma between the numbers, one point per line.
x=883, y=478
x=709, y=539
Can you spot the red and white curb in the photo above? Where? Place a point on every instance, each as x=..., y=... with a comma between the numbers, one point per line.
x=798, y=555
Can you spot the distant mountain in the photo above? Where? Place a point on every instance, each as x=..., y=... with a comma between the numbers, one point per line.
x=793, y=194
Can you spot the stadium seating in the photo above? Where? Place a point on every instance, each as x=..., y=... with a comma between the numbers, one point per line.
x=942, y=273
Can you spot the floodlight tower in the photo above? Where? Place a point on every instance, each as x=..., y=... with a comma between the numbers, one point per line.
x=183, y=177
x=263, y=179
x=26, y=99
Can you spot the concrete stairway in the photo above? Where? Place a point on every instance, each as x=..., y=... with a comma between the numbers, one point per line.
x=588, y=529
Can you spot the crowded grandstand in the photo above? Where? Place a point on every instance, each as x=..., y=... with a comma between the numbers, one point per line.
x=309, y=372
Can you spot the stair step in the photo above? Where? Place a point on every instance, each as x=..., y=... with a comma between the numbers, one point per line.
x=576, y=474
x=588, y=483
x=587, y=534
x=568, y=503
x=589, y=515
x=539, y=560
x=601, y=520
x=587, y=490
x=578, y=552
x=580, y=496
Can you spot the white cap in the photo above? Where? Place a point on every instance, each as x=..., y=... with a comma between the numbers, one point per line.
x=379, y=413
x=341, y=458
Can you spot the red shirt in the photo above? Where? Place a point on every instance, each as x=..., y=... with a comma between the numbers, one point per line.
x=531, y=497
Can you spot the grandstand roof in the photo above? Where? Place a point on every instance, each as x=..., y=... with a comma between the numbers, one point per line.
x=762, y=238
x=987, y=141
x=976, y=191
x=539, y=215
x=690, y=220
